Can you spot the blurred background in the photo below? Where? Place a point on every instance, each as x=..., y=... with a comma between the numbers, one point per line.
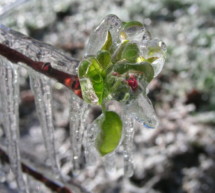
x=178, y=156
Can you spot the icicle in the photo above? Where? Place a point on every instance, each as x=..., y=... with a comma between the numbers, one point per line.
x=91, y=154
x=110, y=164
x=42, y=92
x=128, y=147
x=78, y=112
x=10, y=101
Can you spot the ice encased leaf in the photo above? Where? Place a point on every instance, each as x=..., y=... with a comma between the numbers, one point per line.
x=97, y=39
x=88, y=91
x=110, y=132
x=133, y=31
x=156, y=48
x=142, y=111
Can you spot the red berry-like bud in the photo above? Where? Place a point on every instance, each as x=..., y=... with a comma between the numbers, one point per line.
x=132, y=82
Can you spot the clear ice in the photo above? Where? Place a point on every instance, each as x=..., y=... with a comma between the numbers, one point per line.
x=128, y=147
x=142, y=111
x=10, y=101
x=78, y=112
x=43, y=99
x=90, y=151
x=37, y=50
x=121, y=58
x=111, y=23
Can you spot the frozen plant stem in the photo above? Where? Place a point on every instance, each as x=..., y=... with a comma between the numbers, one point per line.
x=39, y=56
x=70, y=81
x=10, y=100
x=42, y=92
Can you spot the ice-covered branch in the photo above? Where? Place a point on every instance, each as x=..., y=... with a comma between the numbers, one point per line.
x=17, y=47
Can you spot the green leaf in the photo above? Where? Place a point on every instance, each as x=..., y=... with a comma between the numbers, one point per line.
x=132, y=25
x=154, y=50
x=130, y=52
x=145, y=69
x=90, y=74
x=89, y=67
x=142, y=59
x=118, y=53
x=151, y=59
x=94, y=68
x=94, y=73
x=108, y=42
x=121, y=67
x=88, y=92
x=104, y=58
x=82, y=69
x=111, y=133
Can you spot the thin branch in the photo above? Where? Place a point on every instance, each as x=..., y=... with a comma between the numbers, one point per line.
x=51, y=184
x=70, y=81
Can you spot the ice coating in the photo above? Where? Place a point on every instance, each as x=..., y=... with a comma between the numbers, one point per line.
x=121, y=59
x=157, y=49
x=142, y=111
x=110, y=23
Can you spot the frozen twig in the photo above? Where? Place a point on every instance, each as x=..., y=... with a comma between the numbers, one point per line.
x=19, y=48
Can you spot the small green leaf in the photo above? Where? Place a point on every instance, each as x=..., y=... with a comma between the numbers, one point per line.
x=142, y=59
x=151, y=59
x=154, y=50
x=111, y=133
x=82, y=69
x=104, y=58
x=145, y=69
x=88, y=92
x=108, y=42
x=94, y=68
x=132, y=25
x=90, y=73
x=121, y=67
x=130, y=52
x=118, y=53
x=94, y=73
